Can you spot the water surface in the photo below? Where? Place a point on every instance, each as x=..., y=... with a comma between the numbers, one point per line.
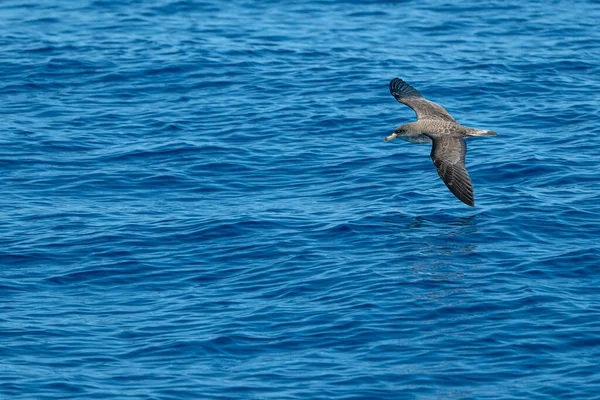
x=198, y=203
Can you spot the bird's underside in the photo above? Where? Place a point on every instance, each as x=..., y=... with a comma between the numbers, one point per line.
x=447, y=137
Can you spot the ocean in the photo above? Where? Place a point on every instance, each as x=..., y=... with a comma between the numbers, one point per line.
x=198, y=203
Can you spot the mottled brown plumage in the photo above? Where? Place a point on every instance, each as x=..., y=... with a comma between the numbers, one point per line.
x=434, y=123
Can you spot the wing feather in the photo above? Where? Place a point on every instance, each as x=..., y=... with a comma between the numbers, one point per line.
x=448, y=155
x=411, y=97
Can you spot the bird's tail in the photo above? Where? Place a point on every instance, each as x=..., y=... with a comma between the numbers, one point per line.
x=481, y=132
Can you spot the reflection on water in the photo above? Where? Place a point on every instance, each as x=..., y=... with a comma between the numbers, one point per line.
x=429, y=248
x=445, y=222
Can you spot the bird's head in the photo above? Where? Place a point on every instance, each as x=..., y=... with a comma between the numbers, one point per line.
x=399, y=131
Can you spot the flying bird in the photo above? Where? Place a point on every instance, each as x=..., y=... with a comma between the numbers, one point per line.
x=434, y=124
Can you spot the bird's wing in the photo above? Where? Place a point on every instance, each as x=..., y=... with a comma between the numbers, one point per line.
x=424, y=108
x=448, y=155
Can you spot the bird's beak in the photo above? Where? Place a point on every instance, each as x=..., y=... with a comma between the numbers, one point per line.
x=392, y=136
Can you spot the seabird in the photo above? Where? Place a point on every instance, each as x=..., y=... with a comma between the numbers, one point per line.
x=435, y=125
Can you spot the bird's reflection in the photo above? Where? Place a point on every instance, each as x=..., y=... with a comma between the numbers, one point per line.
x=437, y=253
x=448, y=225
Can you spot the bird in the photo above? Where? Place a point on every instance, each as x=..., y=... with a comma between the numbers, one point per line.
x=435, y=125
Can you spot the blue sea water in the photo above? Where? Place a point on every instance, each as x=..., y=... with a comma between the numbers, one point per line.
x=198, y=203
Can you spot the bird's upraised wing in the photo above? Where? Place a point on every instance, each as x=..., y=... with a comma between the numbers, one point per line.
x=448, y=155
x=424, y=108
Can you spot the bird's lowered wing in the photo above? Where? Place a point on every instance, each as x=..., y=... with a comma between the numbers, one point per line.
x=424, y=108
x=448, y=155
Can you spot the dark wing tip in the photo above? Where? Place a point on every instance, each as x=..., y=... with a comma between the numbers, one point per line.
x=399, y=88
x=463, y=191
x=463, y=194
x=457, y=180
x=469, y=202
